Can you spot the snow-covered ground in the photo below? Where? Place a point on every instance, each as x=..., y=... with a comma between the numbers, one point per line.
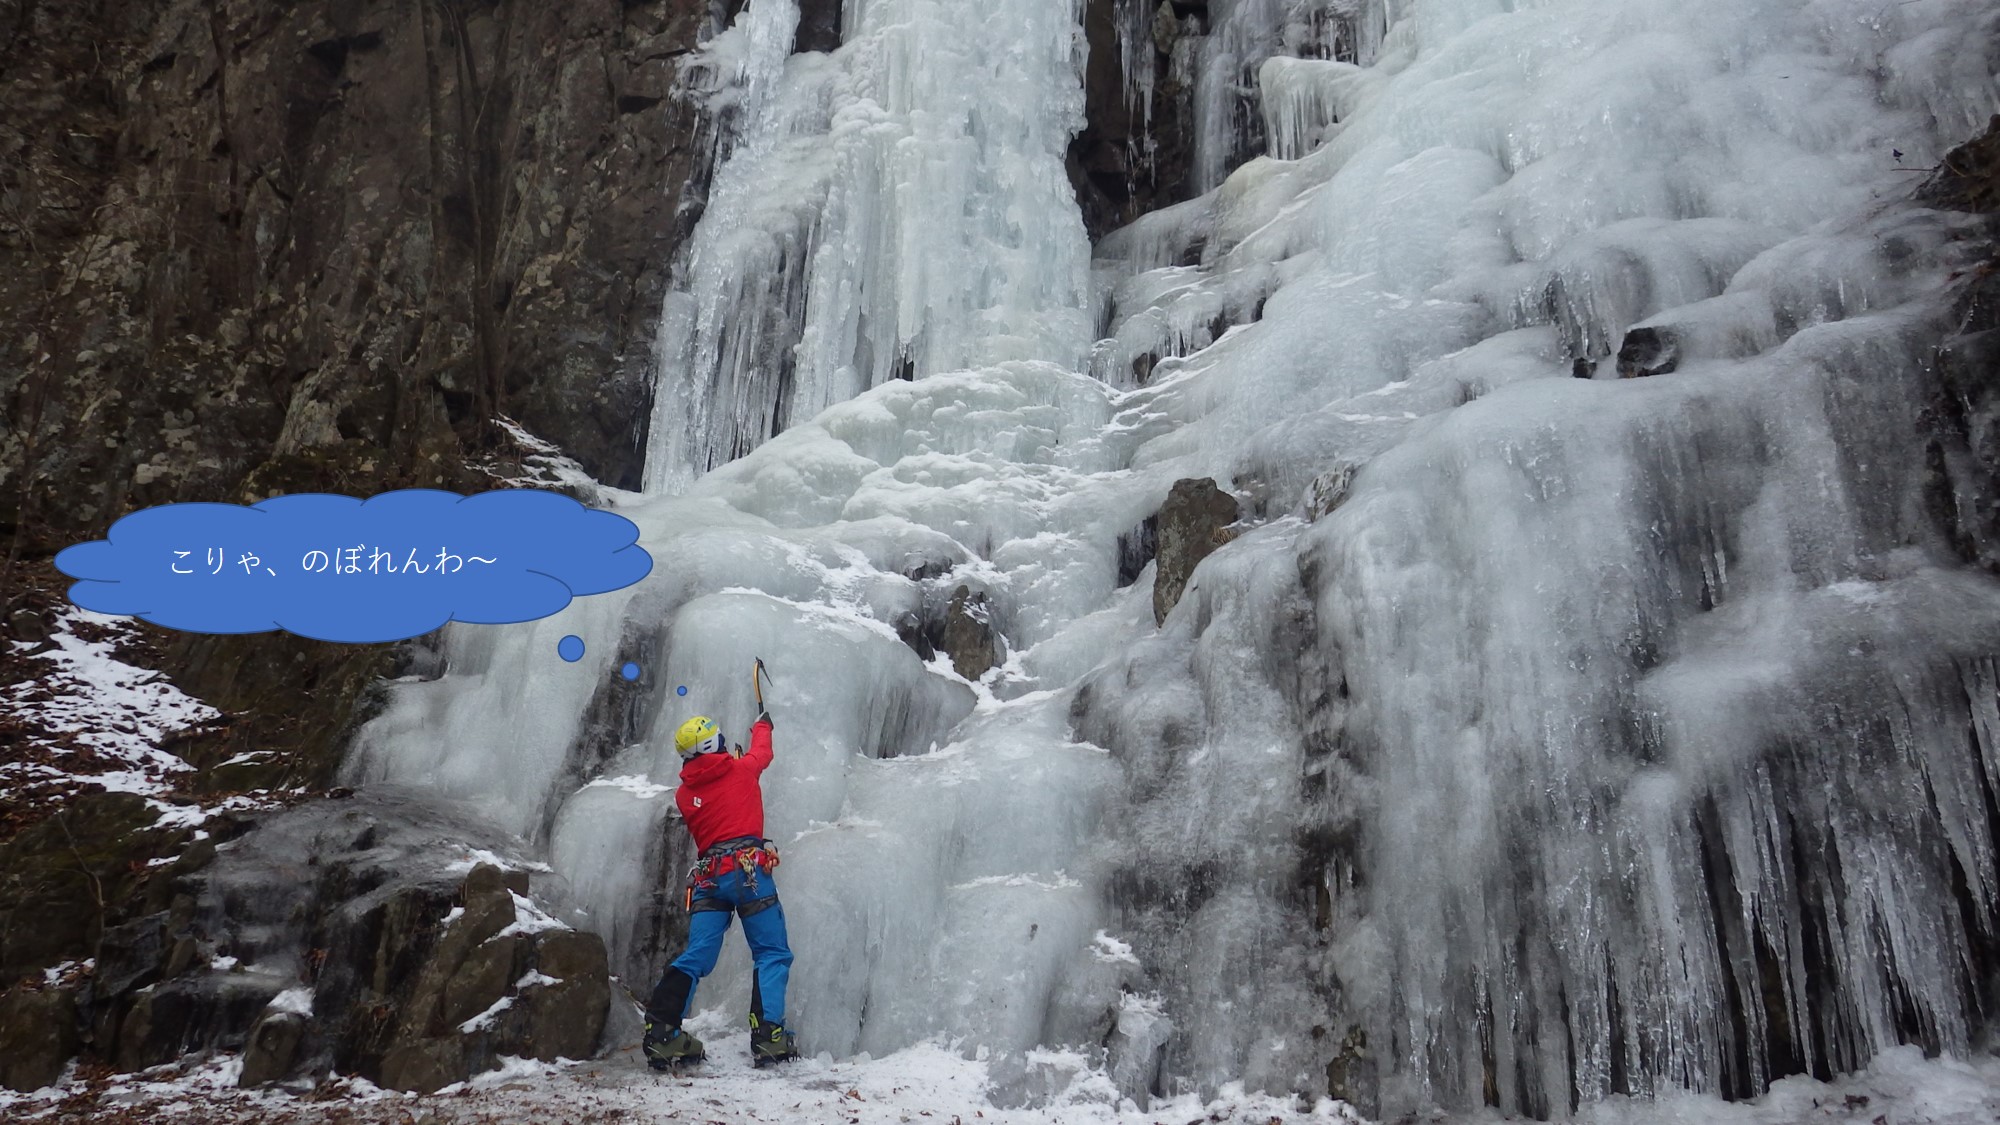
x=931, y=1085
x=82, y=714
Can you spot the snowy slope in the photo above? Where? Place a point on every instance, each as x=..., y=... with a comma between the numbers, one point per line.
x=928, y=1085
x=85, y=715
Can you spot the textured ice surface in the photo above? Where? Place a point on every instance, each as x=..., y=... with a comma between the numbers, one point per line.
x=1558, y=738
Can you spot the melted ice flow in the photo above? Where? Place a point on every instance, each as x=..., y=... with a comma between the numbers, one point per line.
x=1539, y=738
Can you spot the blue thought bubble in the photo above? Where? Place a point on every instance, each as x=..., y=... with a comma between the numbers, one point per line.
x=335, y=568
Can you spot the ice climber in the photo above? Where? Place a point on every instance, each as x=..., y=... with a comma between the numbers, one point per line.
x=723, y=805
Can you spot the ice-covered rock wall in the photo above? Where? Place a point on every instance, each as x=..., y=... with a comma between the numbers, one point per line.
x=1538, y=735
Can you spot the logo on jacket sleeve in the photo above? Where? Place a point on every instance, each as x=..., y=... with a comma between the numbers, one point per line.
x=697, y=802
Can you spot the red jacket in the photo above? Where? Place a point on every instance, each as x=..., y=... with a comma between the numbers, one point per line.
x=719, y=795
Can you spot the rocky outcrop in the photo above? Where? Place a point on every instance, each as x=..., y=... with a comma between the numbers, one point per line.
x=418, y=977
x=967, y=636
x=960, y=625
x=272, y=1047
x=1968, y=178
x=1962, y=420
x=353, y=935
x=490, y=989
x=1195, y=520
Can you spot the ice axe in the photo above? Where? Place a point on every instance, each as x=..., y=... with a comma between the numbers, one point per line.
x=758, y=675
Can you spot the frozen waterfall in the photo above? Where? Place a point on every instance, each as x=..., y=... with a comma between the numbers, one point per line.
x=1540, y=735
x=892, y=211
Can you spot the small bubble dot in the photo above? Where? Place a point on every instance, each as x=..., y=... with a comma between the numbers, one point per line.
x=630, y=671
x=570, y=648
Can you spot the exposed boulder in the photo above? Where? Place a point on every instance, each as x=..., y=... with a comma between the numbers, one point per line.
x=967, y=636
x=490, y=990
x=415, y=968
x=38, y=1034
x=271, y=1048
x=562, y=1015
x=426, y=1065
x=1648, y=351
x=1195, y=520
x=959, y=625
x=132, y=956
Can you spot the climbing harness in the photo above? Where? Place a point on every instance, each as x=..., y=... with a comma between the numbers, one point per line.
x=746, y=853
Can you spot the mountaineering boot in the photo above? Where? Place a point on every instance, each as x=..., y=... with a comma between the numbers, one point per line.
x=770, y=1043
x=669, y=1047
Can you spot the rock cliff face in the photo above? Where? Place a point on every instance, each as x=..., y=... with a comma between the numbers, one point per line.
x=248, y=248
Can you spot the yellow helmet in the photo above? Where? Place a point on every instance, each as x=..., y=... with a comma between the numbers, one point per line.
x=698, y=735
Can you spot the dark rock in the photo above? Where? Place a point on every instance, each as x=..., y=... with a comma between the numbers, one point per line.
x=132, y=956
x=28, y=626
x=819, y=26
x=1351, y=1076
x=483, y=979
x=910, y=629
x=198, y=855
x=487, y=881
x=959, y=624
x=63, y=879
x=1129, y=160
x=272, y=1046
x=968, y=636
x=1962, y=447
x=1968, y=178
x=265, y=268
x=1193, y=522
x=429, y=1008
x=38, y=1034
x=1648, y=351
x=1136, y=548
x=427, y=1065
x=182, y=954
x=170, y=1019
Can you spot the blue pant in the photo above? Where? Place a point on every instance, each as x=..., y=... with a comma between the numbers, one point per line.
x=756, y=899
